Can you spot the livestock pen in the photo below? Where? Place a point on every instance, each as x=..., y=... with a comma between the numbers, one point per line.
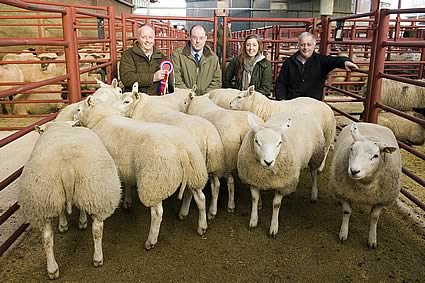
x=307, y=248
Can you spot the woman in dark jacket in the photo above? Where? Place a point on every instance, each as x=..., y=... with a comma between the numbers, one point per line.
x=250, y=67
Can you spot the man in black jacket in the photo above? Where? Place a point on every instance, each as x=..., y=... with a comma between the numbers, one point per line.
x=305, y=72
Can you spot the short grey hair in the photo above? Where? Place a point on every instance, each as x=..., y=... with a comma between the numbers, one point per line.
x=306, y=34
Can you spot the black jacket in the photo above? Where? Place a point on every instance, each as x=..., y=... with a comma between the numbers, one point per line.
x=308, y=79
x=261, y=76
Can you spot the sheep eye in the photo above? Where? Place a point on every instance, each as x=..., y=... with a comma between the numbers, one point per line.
x=279, y=144
x=256, y=141
x=375, y=156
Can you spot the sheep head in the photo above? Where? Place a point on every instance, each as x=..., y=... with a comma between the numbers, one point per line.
x=267, y=142
x=236, y=103
x=365, y=155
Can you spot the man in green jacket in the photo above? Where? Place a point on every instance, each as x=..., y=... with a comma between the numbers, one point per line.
x=196, y=63
x=141, y=64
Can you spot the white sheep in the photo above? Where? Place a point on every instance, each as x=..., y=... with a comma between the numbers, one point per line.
x=143, y=107
x=223, y=96
x=68, y=166
x=232, y=127
x=404, y=130
x=366, y=169
x=272, y=156
x=257, y=103
x=156, y=158
x=106, y=93
x=402, y=96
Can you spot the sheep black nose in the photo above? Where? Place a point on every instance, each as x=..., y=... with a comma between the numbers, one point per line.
x=268, y=163
x=354, y=172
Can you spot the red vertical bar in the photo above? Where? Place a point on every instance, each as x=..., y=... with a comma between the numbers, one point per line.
x=71, y=55
x=324, y=41
x=377, y=63
x=223, y=52
x=113, y=44
x=124, y=31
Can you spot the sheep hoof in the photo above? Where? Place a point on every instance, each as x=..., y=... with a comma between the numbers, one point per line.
x=342, y=240
x=211, y=216
x=313, y=200
x=182, y=216
x=231, y=210
x=372, y=246
x=63, y=228
x=98, y=263
x=127, y=204
x=201, y=231
x=273, y=235
x=82, y=225
x=148, y=245
x=252, y=227
x=53, y=275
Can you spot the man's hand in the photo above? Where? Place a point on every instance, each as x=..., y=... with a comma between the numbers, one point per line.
x=159, y=75
x=350, y=65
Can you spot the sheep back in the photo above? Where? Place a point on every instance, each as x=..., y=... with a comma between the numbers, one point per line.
x=60, y=168
x=155, y=157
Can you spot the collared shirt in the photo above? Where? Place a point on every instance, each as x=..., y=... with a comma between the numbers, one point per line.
x=194, y=52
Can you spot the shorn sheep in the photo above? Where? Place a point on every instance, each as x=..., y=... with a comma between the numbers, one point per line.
x=272, y=156
x=366, y=169
x=68, y=166
x=153, y=157
x=253, y=101
x=145, y=108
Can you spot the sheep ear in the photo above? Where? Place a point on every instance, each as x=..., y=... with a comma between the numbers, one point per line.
x=355, y=133
x=90, y=101
x=74, y=123
x=40, y=129
x=114, y=83
x=385, y=148
x=135, y=87
x=250, y=91
x=286, y=125
x=194, y=88
x=100, y=83
x=251, y=122
x=137, y=95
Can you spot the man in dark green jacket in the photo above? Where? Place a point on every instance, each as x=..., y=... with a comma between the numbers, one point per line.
x=197, y=64
x=141, y=64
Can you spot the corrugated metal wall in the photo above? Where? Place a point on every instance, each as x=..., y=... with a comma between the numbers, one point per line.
x=262, y=9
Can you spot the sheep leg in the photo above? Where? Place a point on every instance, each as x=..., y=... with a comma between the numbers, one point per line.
x=156, y=219
x=231, y=190
x=346, y=210
x=52, y=266
x=255, y=195
x=274, y=225
x=260, y=201
x=82, y=223
x=97, y=231
x=215, y=189
x=184, y=209
x=199, y=197
x=374, y=217
x=314, y=190
x=63, y=222
x=128, y=201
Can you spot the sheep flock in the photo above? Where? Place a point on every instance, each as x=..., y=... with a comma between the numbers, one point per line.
x=102, y=149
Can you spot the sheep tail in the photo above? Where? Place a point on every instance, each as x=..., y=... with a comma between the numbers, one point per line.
x=68, y=185
x=182, y=188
